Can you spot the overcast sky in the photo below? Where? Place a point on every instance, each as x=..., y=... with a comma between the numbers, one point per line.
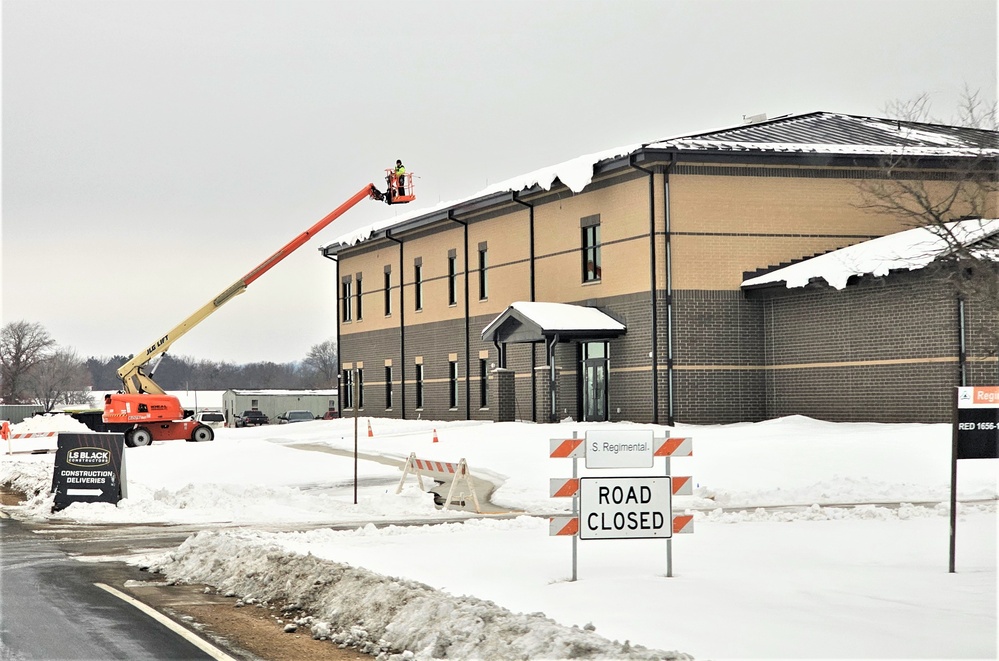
x=154, y=152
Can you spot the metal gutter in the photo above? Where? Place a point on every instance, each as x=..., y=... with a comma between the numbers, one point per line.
x=532, y=270
x=402, y=325
x=468, y=346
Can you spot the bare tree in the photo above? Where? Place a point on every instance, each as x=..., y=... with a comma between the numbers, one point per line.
x=61, y=378
x=323, y=360
x=23, y=345
x=932, y=191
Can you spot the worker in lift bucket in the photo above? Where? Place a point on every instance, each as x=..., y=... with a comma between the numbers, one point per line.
x=400, y=178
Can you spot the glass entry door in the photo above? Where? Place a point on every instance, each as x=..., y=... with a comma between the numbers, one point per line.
x=594, y=381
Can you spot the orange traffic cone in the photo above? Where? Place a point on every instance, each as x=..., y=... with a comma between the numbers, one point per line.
x=435, y=436
x=370, y=433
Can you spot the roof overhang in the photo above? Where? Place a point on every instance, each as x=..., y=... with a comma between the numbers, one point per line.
x=529, y=322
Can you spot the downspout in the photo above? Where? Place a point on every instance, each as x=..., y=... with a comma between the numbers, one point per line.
x=402, y=326
x=468, y=363
x=336, y=278
x=652, y=288
x=961, y=343
x=534, y=358
x=668, y=238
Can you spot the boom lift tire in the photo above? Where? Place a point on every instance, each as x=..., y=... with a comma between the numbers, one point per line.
x=138, y=437
x=201, y=434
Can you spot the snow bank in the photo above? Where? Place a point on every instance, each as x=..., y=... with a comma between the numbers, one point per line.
x=383, y=615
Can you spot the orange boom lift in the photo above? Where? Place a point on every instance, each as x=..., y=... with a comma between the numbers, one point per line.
x=142, y=403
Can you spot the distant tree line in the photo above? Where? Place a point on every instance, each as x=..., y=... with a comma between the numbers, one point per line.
x=36, y=370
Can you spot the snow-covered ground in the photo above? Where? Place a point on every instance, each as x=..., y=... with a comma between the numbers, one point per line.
x=812, y=540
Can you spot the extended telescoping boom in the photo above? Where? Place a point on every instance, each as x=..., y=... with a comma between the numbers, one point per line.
x=154, y=415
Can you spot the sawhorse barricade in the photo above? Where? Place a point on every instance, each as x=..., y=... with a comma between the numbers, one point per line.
x=442, y=471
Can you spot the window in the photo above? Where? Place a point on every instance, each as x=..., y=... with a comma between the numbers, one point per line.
x=483, y=384
x=590, y=229
x=418, y=283
x=419, y=385
x=388, y=388
x=452, y=277
x=388, y=291
x=360, y=388
x=452, y=380
x=345, y=298
x=254, y=404
x=348, y=389
x=358, y=297
x=483, y=285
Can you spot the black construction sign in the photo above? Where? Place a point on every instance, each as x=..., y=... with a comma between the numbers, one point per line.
x=89, y=468
x=977, y=430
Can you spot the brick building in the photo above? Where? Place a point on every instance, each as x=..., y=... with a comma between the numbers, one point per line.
x=659, y=238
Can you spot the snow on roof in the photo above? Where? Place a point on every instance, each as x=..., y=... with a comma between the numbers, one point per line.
x=908, y=250
x=576, y=174
x=556, y=318
x=565, y=316
x=815, y=132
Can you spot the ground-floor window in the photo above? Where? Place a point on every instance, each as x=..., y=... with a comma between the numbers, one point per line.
x=452, y=380
x=419, y=385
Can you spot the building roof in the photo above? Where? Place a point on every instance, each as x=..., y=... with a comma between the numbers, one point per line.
x=837, y=133
x=832, y=134
x=908, y=250
x=527, y=321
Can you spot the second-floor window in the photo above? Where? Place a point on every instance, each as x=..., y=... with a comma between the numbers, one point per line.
x=452, y=277
x=590, y=230
x=345, y=296
x=357, y=297
x=483, y=285
x=388, y=291
x=418, y=284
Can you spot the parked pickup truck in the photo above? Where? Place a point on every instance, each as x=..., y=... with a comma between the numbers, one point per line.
x=252, y=419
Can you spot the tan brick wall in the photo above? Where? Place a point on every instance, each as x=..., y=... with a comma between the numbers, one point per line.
x=725, y=225
x=624, y=230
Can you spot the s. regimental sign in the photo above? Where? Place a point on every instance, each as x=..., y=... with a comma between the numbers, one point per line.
x=89, y=468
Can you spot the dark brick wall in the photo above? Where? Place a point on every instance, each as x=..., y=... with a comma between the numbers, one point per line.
x=883, y=348
x=718, y=357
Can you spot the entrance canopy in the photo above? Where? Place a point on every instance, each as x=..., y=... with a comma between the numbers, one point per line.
x=546, y=322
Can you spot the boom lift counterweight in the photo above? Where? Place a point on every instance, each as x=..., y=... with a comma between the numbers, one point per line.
x=157, y=416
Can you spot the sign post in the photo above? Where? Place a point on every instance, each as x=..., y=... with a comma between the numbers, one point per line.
x=975, y=436
x=621, y=507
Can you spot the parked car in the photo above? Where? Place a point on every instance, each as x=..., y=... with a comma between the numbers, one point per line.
x=213, y=419
x=252, y=418
x=295, y=416
x=330, y=415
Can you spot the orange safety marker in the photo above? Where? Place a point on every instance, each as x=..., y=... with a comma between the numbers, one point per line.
x=683, y=485
x=563, y=487
x=563, y=526
x=370, y=433
x=435, y=436
x=675, y=447
x=566, y=448
x=683, y=523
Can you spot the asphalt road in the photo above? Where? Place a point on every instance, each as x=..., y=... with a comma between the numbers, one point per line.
x=53, y=608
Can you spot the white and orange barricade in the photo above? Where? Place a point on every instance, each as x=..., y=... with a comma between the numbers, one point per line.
x=462, y=484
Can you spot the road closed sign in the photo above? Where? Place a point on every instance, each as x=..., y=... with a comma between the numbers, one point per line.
x=625, y=508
